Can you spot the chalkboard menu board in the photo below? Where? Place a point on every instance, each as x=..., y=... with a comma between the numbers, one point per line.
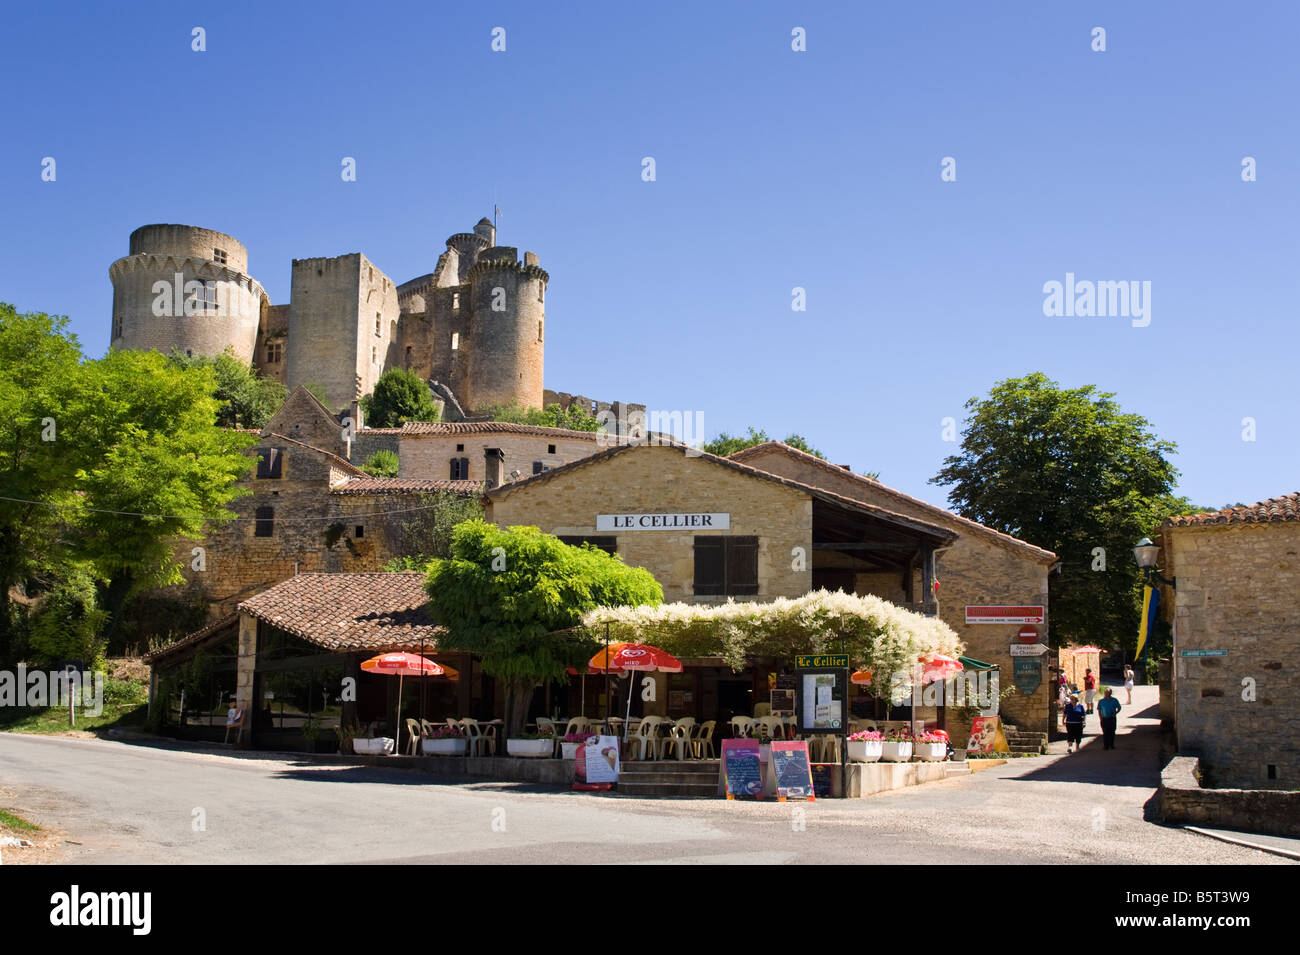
x=741, y=768
x=793, y=772
x=823, y=781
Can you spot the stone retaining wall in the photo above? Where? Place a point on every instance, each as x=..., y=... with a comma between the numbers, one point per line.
x=1181, y=799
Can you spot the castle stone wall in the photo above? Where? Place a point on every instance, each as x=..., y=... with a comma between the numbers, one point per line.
x=505, y=363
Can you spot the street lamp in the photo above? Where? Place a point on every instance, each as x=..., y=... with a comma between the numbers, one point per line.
x=1145, y=554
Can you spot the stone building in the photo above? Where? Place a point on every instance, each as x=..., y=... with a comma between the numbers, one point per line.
x=455, y=450
x=310, y=509
x=980, y=567
x=1236, y=619
x=474, y=327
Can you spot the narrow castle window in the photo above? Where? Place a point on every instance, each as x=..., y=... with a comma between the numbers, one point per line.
x=370, y=272
x=379, y=323
x=541, y=291
x=455, y=341
x=374, y=354
x=274, y=353
x=455, y=300
x=264, y=523
x=408, y=356
x=219, y=255
x=117, y=327
x=539, y=329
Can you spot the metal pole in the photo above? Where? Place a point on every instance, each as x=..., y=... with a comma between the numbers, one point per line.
x=607, y=674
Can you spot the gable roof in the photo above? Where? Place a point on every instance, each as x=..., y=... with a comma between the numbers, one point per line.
x=804, y=457
x=1274, y=510
x=298, y=396
x=417, y=428
x=342, y=612
x=398, y=485
x=211, y=630
x=826, y=497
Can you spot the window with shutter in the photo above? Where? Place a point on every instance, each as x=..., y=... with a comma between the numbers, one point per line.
x=742, y=566
x=264, y=523
x=710, y=565
x=269, y=462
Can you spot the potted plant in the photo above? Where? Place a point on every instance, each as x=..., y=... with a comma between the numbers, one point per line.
x=535, y=745
x=931, y=747
x=347, y=733
x=569, y=744
x=866, y=747
x=371, y=744
x=897, y=747
x=444, y=741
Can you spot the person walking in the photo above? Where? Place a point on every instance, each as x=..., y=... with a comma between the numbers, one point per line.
x=1128, y=683
x=1089, y=687
x=1073, y=724
x=1108, y=709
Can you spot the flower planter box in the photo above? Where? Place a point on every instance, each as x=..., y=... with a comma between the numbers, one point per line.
x=373, y=746
x=447, y=746
x=865, y=750
x=570, y=750
x=535, y=748
x=895, y=752
x=931, y=752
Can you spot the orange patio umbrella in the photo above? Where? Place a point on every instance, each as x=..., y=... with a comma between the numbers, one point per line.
x=638, y=656
x=402, y=664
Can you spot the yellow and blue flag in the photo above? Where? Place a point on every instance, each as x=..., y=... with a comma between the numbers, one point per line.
x=1150, y=601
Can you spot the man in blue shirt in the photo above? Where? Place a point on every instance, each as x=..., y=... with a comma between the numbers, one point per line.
x=1073, y=724
x=1108, y=709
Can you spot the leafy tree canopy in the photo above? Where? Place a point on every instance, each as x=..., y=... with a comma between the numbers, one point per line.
x=247, y=399
x=511, y=595
x=400, y=395
x=382, y=464
x=1069, y=471
x=552, y=416
x=102, y=464
x=427, y=535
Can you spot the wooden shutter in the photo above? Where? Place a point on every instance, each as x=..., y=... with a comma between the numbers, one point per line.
x=710, y=565
x=268, y=462
x=742, y=565
x=265, y=522
x=537, y=467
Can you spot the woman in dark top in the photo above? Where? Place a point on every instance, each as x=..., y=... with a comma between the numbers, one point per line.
x=1073, y=724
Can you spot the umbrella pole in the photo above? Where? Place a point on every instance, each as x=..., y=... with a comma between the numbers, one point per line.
x=631, y=682
x=397, y=743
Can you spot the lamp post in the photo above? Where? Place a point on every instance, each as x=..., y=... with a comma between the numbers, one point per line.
x=1145, y=553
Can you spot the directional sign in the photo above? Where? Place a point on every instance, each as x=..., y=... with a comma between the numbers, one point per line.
x=1028, y=649
x=1002, y=614
x=817, y=661
x=1205, y=653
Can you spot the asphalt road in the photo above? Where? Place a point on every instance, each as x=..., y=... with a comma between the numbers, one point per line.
x=132, y=803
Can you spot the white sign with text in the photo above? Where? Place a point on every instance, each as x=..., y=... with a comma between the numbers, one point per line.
x=663, y=522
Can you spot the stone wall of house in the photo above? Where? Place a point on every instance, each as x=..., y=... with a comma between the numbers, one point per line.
x=428, y=456
x=1238, y=591
x=1182, y=801
x=977, y=569
x=651, y=479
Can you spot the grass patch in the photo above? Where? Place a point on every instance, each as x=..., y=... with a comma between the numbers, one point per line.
x=17, y=823
x=126, y=703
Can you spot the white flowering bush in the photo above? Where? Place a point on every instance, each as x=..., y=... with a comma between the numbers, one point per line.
x=878, y=635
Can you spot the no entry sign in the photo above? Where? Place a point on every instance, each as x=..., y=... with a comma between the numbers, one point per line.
x=1027, y=634
x=1000, y=614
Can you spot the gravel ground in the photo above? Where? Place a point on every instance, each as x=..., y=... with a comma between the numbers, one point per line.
x=146, y=804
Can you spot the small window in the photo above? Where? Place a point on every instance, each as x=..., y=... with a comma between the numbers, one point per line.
x=460, y=447
x=460, y=469
x=370, y=272
x=455, y=300
x=274, y=353
x=541, y=291
x=408, y=356
x=539, y=329
x=117, y=327
x=269, y=462
x=726, y=566
x=188, y=353
x=219, y=255
x=455, y=341
x=537, y=467
x=205, y=294
x=379, y=323
x=374, y=354
x=264, y=523
x=550, y=449
x=361, y=531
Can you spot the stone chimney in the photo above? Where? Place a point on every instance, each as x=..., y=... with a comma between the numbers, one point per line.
x=494, y=467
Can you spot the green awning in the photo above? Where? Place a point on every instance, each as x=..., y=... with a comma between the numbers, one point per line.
x=972, y=664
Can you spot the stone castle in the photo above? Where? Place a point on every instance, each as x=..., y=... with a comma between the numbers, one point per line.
x=474, y=327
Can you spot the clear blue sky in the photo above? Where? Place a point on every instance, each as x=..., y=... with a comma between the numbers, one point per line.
x=775, y=169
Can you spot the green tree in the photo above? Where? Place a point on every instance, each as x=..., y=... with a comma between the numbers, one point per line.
x=427, y=535
x=725, y=444
x=400, y=395
x=317, y=391
x=248, y=400
x=512, y=596
x=382, y=464
x=552, y=416
x=102, y=464
x=1069, y=471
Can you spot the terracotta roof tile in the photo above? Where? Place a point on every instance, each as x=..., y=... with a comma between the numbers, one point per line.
x=378, y=485
x=891, y=492
x=1273, y=510
x=342, y=463
x=489, y=427
x=377, y=611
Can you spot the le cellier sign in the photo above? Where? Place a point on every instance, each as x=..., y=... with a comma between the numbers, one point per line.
x=663, y=522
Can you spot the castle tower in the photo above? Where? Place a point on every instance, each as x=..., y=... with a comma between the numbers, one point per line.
x=186, y=289
x=507, y=330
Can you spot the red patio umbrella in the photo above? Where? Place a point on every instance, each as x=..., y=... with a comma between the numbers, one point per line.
x=638, y=656
x=401, y=664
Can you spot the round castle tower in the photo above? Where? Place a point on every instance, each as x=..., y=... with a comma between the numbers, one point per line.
x=508, y=329
x=187, y=289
